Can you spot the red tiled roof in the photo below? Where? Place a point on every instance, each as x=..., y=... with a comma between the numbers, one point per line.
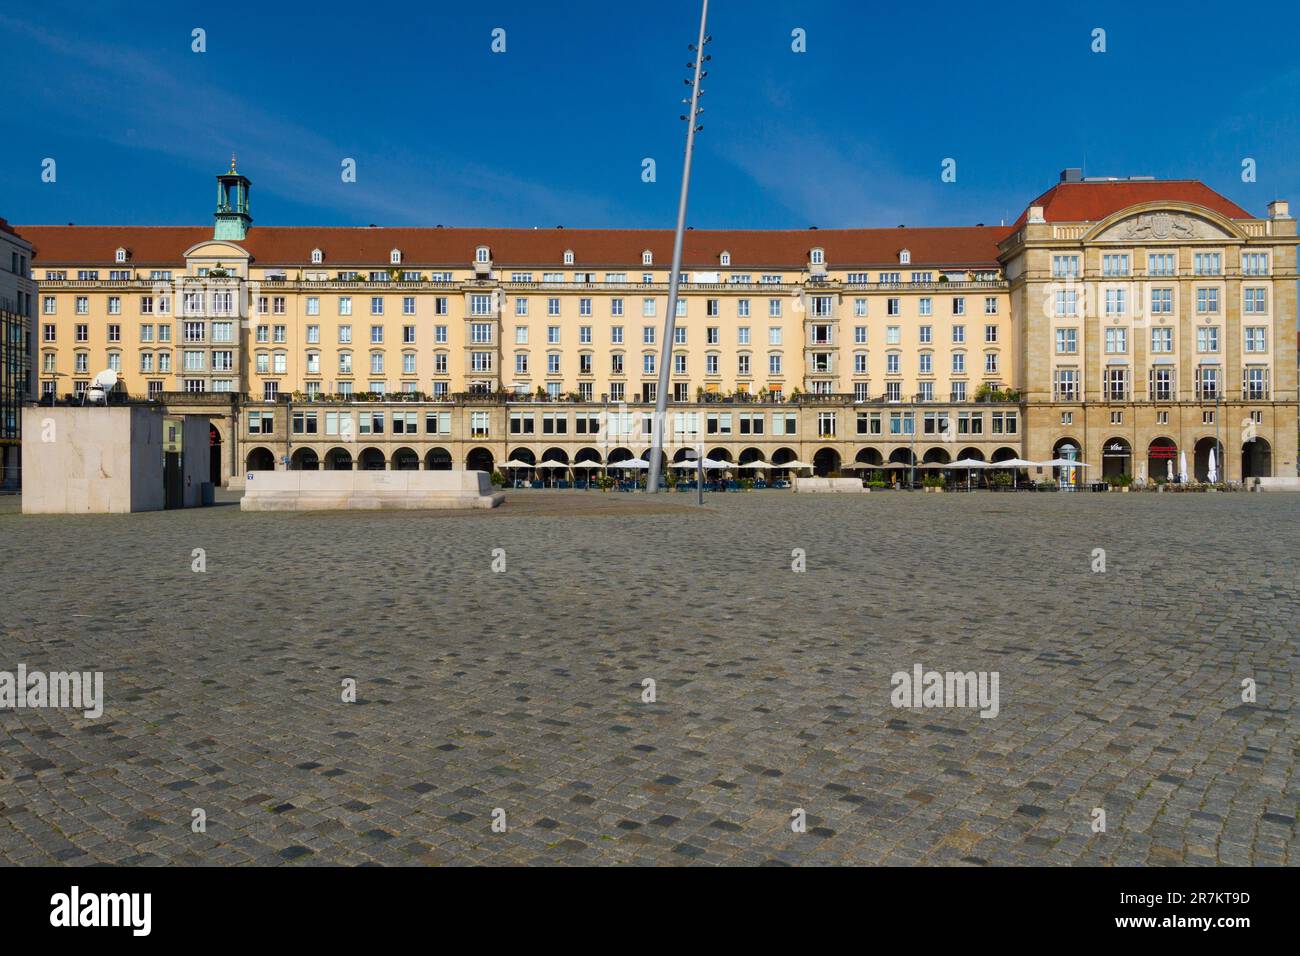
x=962, y=246
x=1092, y=202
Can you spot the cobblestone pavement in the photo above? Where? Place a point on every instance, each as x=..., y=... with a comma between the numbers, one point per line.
x=522, y=690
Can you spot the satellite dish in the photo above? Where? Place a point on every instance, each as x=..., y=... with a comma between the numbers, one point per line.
x=97, y=391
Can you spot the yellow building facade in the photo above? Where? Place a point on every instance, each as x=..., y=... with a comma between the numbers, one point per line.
x=432, y=347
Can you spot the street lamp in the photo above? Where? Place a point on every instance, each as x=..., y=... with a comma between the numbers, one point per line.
x=670, y=320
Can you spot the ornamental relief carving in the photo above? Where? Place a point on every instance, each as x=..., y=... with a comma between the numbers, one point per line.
x=1163, y=225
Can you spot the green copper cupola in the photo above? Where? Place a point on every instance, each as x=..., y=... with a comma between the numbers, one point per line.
x=232, y=218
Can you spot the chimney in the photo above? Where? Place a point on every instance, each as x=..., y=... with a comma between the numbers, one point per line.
x=1279, y=209
x=1036, y=214
x=1072, y=175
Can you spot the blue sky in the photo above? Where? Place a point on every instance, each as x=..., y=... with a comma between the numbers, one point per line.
x=851, y=133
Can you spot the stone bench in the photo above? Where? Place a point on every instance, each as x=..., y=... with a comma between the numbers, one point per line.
x=367, y=490
x=832, y=485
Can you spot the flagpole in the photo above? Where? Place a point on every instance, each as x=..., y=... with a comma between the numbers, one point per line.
x=670, y=320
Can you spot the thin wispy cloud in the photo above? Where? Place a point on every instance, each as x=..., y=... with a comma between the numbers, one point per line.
x=200, y=123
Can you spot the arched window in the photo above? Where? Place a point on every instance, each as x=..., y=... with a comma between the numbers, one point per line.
x=120, y=256
x=481, y=254
x=395, y=257
x=568, y=257
x=647, y=258
x=818, y=257
x=317, y=257
x=904, y=256
x=725, y=258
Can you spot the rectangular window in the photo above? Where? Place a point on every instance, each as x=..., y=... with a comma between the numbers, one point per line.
x=1208, y=263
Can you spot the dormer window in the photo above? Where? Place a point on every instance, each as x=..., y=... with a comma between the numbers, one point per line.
x=395, y=257
x=120, y=255
x=481, y=254
x=317, y=257
x=725, y=259
x=647, y=258
x=905, y=256
x=818, y=257
x=568, y=257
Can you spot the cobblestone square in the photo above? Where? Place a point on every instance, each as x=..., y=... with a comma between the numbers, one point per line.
x=522, y=690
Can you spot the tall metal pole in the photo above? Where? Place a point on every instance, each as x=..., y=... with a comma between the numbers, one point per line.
x=670, y=320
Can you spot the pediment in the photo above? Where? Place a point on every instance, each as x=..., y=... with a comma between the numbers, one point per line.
x=1161, y=225
x=216, y=248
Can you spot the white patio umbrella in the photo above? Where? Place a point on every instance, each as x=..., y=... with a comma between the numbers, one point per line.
x=711, y=463
x=1142, y=473
x=860, y=466
x=633, y=463
x=1212, y=471
x=796, y=464
x=552, y=463
x=969, y=464
x=1014, y=463
x=757, y=463
x=516, y=463
x=1182, y=467
x=1169, y=469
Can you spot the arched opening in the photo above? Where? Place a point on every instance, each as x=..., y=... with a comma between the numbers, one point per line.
x=338, y=459
x=438, y=459
x=1066, y=476
x=1162, y=460
x=1201, y=459
x=586, y=466
x=826, y=462
x=937, y=456
x=648, y=455
x=260, y=459
x=870, y=461
x=1256, y=459
x=480, y=459
x=553, y=466
x=214, y=455
x=1004, y=454
x=748, y=455
x=972, y=454
x=372, y=459
x=305, y=459
x=620, y=454
x=719, y=454
x=1116, y=458
x=406, y=459
x=900, y=468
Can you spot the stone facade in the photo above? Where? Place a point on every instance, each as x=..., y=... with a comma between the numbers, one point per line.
x=470, y=347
